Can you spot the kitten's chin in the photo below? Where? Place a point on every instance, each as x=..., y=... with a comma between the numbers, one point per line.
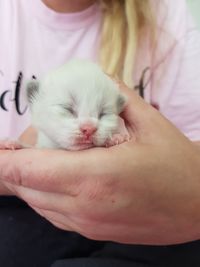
x=77, y=147
x=86, y=144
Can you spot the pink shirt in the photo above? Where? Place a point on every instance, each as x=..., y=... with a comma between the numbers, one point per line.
x=35, y=39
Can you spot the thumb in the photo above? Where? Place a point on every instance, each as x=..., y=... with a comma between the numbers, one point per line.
x=145, y=122
x=137, y=113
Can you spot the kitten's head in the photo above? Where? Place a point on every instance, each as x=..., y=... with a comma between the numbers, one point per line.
x=76, y=106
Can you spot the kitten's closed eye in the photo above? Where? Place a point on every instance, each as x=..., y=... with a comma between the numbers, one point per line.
x=69, y=109
x=102, y=114
x=105, y=111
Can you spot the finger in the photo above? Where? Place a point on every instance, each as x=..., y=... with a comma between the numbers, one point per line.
x=52, y=170
x=142, y=120
x=133, y=97
x=40, y=169
x=59, y=209
x=61, y=226
x=10, y=145
x=64, y=222
x=44, y=200
x=55, y=218
x=137, y=114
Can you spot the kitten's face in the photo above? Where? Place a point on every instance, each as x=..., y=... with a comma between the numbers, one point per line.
x=66, y=123
x=77, y=115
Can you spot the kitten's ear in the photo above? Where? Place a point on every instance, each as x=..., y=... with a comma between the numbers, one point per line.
x=32, y=90
x=121, y=102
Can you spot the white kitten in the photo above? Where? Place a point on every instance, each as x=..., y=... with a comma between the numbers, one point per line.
x=76, y=107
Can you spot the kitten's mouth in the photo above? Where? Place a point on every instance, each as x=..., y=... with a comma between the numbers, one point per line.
x=84, y=140
x=81, y=146
x=82, y=143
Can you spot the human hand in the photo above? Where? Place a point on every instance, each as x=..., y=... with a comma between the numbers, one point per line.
x=143, y=191
x=27, y=139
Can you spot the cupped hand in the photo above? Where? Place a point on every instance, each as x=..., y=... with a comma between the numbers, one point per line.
x=144, y=191
x=26, y=140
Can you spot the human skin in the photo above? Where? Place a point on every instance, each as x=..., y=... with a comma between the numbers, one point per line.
x=145, y=191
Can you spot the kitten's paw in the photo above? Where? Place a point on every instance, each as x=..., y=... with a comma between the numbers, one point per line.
x=117, y=139
x=10, y=145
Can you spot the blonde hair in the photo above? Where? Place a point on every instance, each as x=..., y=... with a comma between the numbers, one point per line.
x=123, y=21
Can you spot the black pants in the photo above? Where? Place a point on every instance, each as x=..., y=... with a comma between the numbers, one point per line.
x=27, y=240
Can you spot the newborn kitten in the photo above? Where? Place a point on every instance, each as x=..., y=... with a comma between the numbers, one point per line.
x=76, y=107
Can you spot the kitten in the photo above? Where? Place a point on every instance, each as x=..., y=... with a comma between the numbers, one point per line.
x=76, y=107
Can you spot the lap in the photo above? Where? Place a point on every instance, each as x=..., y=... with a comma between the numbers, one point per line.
x=26, y=239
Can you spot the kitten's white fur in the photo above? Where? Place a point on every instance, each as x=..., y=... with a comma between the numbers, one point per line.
x=78, y=92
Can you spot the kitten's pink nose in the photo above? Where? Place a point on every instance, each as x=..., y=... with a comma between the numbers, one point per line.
x=88, y=129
